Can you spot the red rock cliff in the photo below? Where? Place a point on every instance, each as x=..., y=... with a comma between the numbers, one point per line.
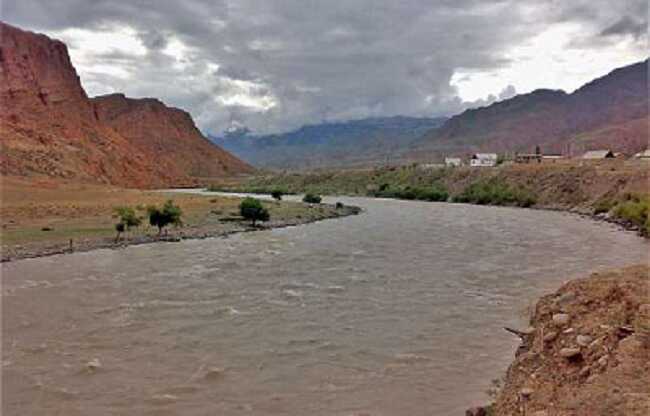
x=167, y=135
x=49, y=127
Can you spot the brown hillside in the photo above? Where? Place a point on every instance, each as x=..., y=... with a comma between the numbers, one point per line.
x=611, y=112
x=168, y=136
x=49, y=127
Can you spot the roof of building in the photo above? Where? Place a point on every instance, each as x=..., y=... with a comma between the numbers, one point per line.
x=598, y=154
x=485, y=156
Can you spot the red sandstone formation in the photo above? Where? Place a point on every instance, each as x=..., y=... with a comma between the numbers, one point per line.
x=49, y=126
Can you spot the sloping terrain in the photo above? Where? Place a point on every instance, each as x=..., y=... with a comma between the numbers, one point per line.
x=610, y=112
x=587, y=351
x=353, y=143
x=50, y=128
x=168, y=136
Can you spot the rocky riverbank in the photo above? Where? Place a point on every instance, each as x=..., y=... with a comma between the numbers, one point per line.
x=586, y=351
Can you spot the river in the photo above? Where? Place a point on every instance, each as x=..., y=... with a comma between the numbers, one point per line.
x=397, y=311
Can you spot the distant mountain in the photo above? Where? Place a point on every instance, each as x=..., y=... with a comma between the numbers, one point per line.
x=343, y=144
x=49, y=127
x=609, y=112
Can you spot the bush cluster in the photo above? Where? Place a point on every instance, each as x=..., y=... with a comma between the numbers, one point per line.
x=493, y=192
x=634, y=209
x=253, y=210
x=311, y=198
x=169, y=214
x=420, y=193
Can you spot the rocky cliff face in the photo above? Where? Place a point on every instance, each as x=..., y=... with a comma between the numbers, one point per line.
x=167, y=135
x=49, y=127
x=610, y=112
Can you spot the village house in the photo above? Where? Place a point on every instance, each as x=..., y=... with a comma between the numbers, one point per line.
x=483, y=160
x=598, y=155
x=453, y=161
x=552, y=158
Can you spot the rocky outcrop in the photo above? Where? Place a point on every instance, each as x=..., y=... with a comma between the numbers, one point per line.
x=166, y=135
x=589, y=353
x=49, y=127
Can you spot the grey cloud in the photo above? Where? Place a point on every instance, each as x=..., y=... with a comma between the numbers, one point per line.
x=627, y=26
x=316, y=60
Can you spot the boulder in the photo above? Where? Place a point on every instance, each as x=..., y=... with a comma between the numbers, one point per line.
x=569, y=352
x=561, y=319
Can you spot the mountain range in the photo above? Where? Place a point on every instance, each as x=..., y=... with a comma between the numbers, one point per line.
x=608, y=112
x=49, y=127
x=343, y=144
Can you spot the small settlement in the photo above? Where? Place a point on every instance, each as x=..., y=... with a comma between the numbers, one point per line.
x=492, y=159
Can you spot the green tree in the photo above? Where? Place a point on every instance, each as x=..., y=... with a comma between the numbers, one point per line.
x=169, y=214
x=128, y=217
x=252, y=209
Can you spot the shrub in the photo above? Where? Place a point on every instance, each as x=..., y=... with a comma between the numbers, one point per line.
x=252, y=209
x=635, y=210
x=162, y=217
x=128, y=217
x=312, y=198
x=433, y=193
x=277, y=194
x=603, y=206
x=492, y=192
x=339, y=205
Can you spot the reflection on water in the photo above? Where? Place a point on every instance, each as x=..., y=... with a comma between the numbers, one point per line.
x=394, y=312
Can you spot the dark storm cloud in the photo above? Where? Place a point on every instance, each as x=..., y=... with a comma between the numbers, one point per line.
x=627, y=26
x=277, y=64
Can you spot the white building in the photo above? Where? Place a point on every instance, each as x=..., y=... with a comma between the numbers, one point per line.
x=598, y=155
x=453, y=161
x=483, y=160
x=643, y=155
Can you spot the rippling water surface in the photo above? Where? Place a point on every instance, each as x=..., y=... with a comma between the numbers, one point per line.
x=397, y=311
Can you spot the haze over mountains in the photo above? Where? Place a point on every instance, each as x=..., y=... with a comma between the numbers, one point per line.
x=50, y=128
x=609, y=112
x=352, y=143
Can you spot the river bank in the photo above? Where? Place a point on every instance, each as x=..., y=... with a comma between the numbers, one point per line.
x=586, y=351
x=43, y=219
x=615, y=191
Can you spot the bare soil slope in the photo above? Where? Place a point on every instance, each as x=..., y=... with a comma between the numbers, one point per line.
x=588, y=351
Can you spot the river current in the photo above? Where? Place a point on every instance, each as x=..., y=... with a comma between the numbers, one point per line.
x=397, y=311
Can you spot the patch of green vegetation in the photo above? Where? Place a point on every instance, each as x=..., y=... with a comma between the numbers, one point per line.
x=495, y=192
x=634, y=208
x=169, y=214
x=431, y=193
x=253, y=210
x=604, y=205
x=312, y=198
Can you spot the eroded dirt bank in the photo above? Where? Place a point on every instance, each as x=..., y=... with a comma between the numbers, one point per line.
x=586, y=352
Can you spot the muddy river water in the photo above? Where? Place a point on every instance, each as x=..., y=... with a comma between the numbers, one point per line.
x=397, y=311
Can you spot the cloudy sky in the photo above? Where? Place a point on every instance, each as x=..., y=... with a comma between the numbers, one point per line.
x=273, y=65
